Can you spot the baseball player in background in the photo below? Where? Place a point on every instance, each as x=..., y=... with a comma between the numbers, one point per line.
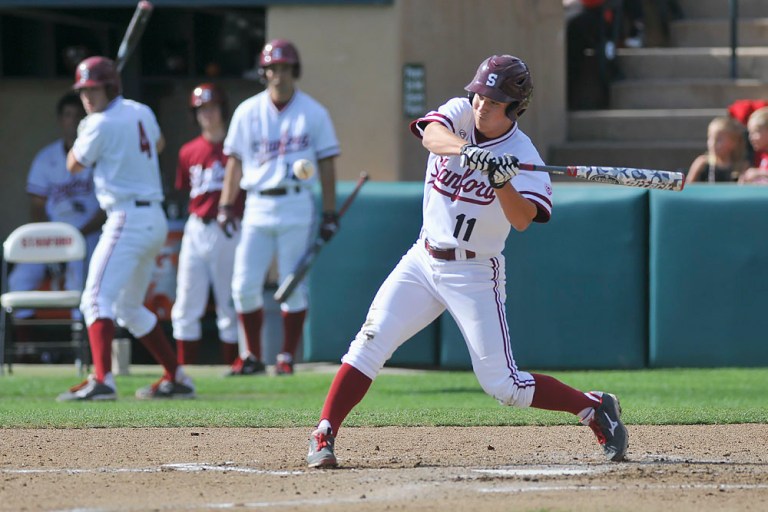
x=121, y=139
x=268, y=132
x=207, y=256
x=473, y=192
x=56, y=195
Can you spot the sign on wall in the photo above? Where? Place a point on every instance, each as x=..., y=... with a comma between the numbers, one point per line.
x=414, y=90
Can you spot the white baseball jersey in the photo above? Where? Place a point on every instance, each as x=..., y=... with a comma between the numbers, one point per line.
x=460, y=206
x=122, y=139
x=69, y=197
x=267, y=141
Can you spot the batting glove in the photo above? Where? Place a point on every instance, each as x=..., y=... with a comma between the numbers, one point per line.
x=473, y=157
x=227, y=220
x=329, y=225
x=503, y=169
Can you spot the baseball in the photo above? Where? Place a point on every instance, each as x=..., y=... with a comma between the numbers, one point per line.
x=303, y=169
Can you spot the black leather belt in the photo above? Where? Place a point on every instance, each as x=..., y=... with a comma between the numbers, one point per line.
x=446, y=254
x=278, y=191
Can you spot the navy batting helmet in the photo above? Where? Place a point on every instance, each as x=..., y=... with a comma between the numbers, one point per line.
x=280, y=51
x=506, y=79
x=96, y=71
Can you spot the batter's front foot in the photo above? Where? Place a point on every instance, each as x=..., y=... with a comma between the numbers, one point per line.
x=246, y=366
x=608, y=427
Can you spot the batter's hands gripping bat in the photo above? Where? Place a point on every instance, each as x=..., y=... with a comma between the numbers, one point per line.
x=300, y=270
x=133, y=33
x=643, y=178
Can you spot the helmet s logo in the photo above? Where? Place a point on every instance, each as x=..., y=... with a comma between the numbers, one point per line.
x=491, y=81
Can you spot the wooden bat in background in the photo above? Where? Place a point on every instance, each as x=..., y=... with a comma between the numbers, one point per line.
x=643, y=178
x=133, y=33
x=300, y=270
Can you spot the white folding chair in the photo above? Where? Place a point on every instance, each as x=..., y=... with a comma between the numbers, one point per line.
x=41, y=242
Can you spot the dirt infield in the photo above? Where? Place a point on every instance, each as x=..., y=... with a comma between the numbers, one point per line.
x=681, y=468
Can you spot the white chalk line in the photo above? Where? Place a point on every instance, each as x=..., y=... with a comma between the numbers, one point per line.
x=623, y=487
x=181, y=466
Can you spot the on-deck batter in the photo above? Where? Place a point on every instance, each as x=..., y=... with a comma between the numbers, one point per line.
x=121, y=139
x=207, y=255
x=268, y=132
x=56, y=195
x=473, y=192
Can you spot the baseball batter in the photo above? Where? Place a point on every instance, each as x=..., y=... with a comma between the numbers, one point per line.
x=268, y=133
x=120, y=139
x=207, y=255
x=56, y=195
x=473, y=192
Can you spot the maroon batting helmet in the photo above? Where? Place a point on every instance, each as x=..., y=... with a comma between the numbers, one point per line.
x=96, y=71
x=279, y=51
x=506, y=79
x=209, y=93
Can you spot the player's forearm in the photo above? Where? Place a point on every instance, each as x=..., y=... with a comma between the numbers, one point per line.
x=518, y=210
x=232, y=176
x=73, y=165
x=441, y=141
x=37, y=208
x=328, y=184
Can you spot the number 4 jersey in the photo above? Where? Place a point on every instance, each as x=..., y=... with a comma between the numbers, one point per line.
x=460, y=206
x=120, y=143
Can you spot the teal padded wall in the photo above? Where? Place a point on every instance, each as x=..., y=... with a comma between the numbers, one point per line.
x=576, y=286
x=380, y=226
x=709, y=277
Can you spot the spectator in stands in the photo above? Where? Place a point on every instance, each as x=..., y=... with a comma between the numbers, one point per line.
x=725, y=159
x=757, y=126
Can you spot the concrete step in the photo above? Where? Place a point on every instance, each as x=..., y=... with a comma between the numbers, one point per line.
x=717, y=32
x=660, y=63
x=721, y=8
x=668, y=156
x=641, y=125
x=670, y=94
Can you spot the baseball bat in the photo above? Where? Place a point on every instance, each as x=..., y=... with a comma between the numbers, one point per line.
x=302, y=267
x=643, y=178
x=133, y=33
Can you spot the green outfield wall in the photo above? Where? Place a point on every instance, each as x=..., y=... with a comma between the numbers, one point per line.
x=619, y=278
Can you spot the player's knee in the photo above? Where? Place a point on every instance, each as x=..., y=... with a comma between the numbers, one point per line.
x=510, y=393
x=139, y=321
x=365, y=354
x=245, y=301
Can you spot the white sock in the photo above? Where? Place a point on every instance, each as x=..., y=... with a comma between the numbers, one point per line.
x=325, y=425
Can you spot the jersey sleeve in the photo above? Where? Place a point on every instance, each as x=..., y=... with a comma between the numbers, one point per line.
x=533, y=185
x=326, y=143
x=235, y=141
x=153, y=127
x=454, y=115
x=87, y=146
x=38, y=182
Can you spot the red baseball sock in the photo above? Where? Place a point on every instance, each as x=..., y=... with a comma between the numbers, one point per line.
x=553, y=395
x=100, y=335
x=161, y=349
x=293, y=327
x=251, y=323
x=187, y=351
x=347, y=389
x=229, y=352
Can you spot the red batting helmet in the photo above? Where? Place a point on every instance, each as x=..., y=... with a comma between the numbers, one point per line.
x=208, y=93
x=279, y=51
x=96, y=71
x=506, y=79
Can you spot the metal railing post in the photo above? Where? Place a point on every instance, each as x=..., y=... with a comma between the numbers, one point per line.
x=733, y=10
